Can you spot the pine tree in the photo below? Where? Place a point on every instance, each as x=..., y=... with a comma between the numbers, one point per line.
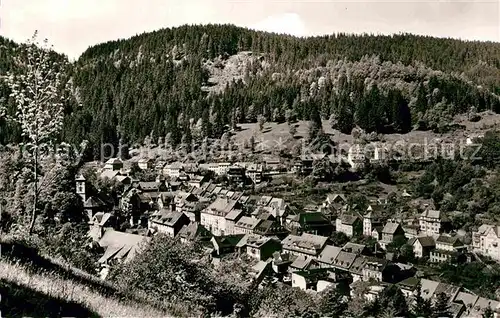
x=332, y=303
x=401, y=115
x=441, y=307
x=261, y=121
x=421, y=105
x=421, y=307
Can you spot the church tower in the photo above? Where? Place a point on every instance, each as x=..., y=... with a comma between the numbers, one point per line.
x=81, y=188
x=367, y=224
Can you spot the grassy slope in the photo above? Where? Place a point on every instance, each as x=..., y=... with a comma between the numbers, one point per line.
x=36, y=286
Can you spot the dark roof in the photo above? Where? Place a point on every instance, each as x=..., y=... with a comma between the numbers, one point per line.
x=349, y=219
x=149, y=186
x=344, y=259
x=354, y=248
x=168, y=218
x=269, y=227
x=306, y=243
x=329, y=254
x=410, y=282
x=380, y=263
x=193, y=231
x=358, y=265
x=93, y=202
x=449, y=240
x=426, y=241
x=390, y=228
x=228, y=240
x=312, y=217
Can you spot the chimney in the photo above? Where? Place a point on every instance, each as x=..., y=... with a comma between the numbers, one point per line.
x=172, y=205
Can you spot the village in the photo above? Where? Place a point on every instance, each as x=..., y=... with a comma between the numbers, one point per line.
x=331, y=243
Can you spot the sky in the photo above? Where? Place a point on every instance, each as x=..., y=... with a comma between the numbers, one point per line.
x=74, y=25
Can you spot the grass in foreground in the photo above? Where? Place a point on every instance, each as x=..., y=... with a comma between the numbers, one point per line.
x=45, y=295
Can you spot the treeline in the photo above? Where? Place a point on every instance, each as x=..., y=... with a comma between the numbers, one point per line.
x=152, y=84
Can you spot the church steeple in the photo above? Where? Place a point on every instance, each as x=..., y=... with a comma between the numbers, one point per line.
x=81, y=187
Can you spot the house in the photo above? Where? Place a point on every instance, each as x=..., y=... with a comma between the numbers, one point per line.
x=236, y=174
x=113, y=164
x=225, y=244
x=302, y=263
x=305, y=245
x=270, y=228
x=372, y=220
x=312, y=222
x=377, y=269
x=486, y=241
x=231, y=219
x=93, y=205
x=194, y=231
x=260, y=270
x=328, y=255
x=173, y=170
x=214, y=216
x=433, y=222
x=411, y=231
x=349, y=224
x=168, y=222
x=447, y=247
x=390, y=232
x=197, y=181
x=254, y=172
x=357, y=267
x=335, y=199
x=278, y=208
x=259, y=247
x=223, y=168
x=377, y=233
x=422, y=246
x=479, y=307
x=151, y=186
x=120, y=246
x=146, y=163
x=99, y=222
x=317, y=279
x=124, y=180
x=109, y=174
x=304, y=165
x=281, y=262
x=373, y=292
x=344, y=260
x=408, y=286
x=273, y=165
x=246, y=225
x=356, y=157
x=358, y=249
x=183, y=197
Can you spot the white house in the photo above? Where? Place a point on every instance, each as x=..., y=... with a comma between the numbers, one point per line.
x=146, y=163
x=486, y=241
x=173, y=170
x=431, y=222
x=113, y=164
x=220, y=216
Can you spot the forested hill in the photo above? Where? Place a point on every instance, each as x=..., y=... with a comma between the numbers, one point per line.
x=171, y=82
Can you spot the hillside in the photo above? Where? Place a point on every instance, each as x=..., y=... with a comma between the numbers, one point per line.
x=191, y=82
x=36, y=286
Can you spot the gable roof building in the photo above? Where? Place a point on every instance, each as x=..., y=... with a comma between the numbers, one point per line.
x=306, y=244
x=328, y=255
x=121, y=246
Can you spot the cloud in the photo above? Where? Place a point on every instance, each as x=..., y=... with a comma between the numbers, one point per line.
x=288, y=23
